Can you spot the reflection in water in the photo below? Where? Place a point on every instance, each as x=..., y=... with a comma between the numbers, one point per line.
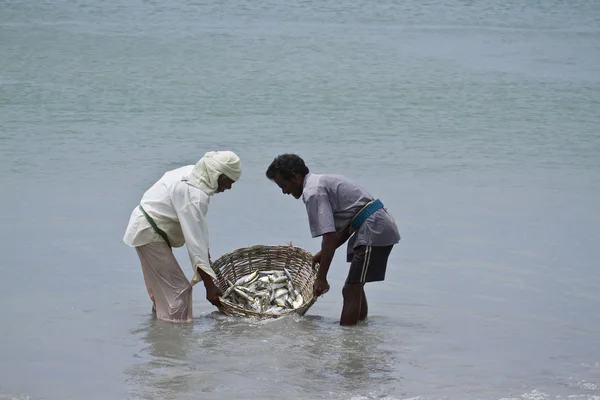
x=164, y=371
x=354, y=359
x=302, y=357
x=363, y=359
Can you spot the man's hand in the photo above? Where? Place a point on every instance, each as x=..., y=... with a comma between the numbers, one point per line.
x=316, y=259
x=212, y=295
x=212, y=291
x=320, y=287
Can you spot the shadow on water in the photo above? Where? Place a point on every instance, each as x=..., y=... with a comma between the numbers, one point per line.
x=304, y=357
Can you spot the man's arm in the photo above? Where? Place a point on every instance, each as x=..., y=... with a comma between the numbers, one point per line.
x=322, y=223
x=191, y=212
x=324, y=257
x=195, y=231
x=330, y=242
x=212, y=291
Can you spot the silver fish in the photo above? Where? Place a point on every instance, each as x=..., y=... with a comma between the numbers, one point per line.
x=287, y=273
x=280, y=302
x=278, y=285
x=270, y=292
x=228, y=291
x=297, y=301
x=253, y=287
x=232, y=298
x=278, y=279
x=250, y=278
x=245, y=289
x=289, y=301
x=243, y=295
x=290, y=286
x=262, y=294
x=255, y=305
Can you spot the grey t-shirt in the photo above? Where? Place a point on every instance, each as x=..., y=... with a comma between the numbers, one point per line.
x=331, y=203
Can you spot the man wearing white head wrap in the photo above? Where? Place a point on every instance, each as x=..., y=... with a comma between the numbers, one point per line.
x=207, y=171
x=173, y=213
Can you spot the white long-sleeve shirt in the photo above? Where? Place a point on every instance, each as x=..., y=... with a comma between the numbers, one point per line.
x=179, y=209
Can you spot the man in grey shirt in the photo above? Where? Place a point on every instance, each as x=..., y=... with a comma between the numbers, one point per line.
x=339, y=209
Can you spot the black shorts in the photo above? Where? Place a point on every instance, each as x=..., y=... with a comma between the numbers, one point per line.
x=368, y=264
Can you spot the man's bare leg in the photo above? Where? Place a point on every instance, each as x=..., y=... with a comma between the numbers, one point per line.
x=353, y=294
x=364, y=307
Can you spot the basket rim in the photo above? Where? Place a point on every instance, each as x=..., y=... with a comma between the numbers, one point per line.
x=255, y=247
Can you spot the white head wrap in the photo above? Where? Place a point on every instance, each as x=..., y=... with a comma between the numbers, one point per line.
x=206, y=172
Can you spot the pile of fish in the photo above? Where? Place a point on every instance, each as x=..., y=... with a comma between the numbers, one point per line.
x=270, y=292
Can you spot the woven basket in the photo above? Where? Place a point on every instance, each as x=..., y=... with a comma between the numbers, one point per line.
x=243, y=261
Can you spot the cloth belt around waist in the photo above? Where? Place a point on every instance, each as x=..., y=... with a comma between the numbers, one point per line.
x=154, y=226
x=365, y=213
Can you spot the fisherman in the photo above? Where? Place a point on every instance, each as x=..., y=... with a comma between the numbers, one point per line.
x=339, y=209
x=173, y=213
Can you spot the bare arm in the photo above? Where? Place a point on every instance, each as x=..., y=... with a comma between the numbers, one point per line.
x=212, y=291
x=329, y=244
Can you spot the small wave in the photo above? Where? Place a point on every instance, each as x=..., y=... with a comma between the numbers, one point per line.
x=19, y=397
x=386, y=398
x=532, y=395
x=538, y=395
x=588, y=385
x=378, y=397
x=583, y=397
x=7, y=81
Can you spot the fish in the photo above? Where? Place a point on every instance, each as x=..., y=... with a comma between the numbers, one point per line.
x=275, y=310
x=250, y=278
x=279, y=279
x=297, y=301
x=287, y=273
x=243, y=294
x=290, y=287
x=228, y=291
x=268, y=292
x=279, y=285
x=280, y=302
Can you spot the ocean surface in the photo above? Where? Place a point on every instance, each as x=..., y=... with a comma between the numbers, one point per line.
x=477, y=123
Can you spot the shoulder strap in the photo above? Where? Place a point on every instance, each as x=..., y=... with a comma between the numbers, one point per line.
x=155, y=227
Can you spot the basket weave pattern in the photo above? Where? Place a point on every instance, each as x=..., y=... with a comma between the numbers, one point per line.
x=232, y=266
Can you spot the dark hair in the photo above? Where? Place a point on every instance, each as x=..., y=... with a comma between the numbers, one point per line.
x=287, y=165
